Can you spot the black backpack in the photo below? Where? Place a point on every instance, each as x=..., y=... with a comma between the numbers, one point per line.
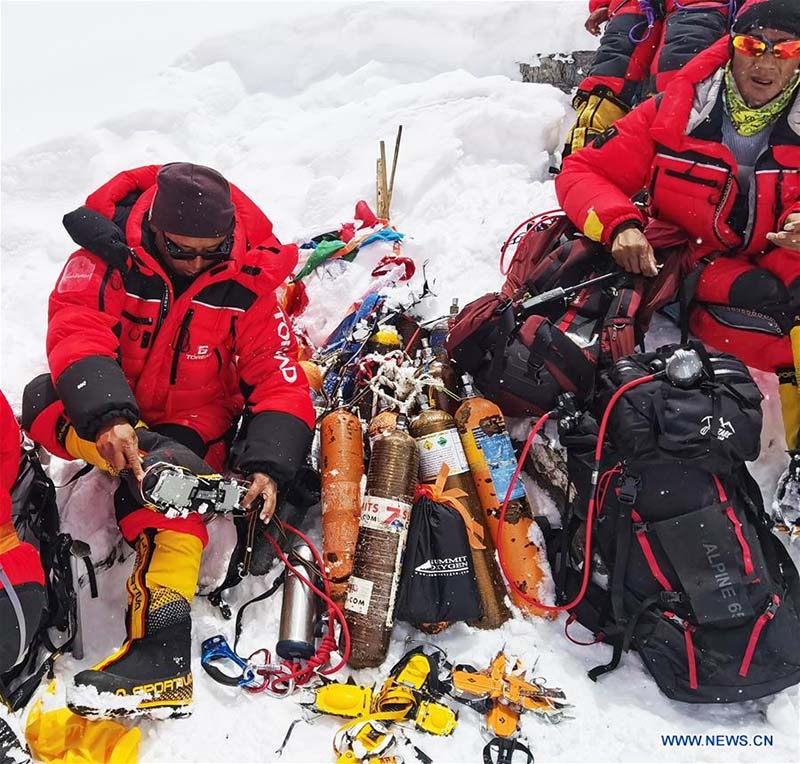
x=35, y=516
x=685, y=568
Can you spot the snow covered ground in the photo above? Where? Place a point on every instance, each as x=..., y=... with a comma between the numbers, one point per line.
x=292, y=110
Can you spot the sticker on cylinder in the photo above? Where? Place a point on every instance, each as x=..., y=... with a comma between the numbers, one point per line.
x=439, y=448
x=384, y=514
x=359, y=594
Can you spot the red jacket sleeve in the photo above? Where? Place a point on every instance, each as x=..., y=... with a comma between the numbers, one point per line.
x=83, y=344
x=596, y=5
x=276, y=392
x=596, y=184
x=9, y=457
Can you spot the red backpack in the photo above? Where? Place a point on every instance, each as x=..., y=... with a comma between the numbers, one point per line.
x=564, y=308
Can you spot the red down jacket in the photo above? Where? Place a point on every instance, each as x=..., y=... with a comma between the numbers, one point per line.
x=19, y=561
x=671, y=145
x=120, y=343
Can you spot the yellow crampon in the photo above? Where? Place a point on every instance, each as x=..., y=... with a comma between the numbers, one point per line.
x=403, y=697
x=343, y=699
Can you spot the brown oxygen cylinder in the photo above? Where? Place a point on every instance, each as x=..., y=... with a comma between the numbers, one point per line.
x=342, y=470
x=385, y=513
x=439, y=368
x=383, y=421
x=438, y=442
x=492, y=460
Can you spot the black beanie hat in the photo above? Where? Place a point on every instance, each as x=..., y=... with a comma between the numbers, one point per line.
x=769, y=14
x=192, y=200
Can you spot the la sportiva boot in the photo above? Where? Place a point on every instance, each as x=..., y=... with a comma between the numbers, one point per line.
x=151, y=673
x=786, y=506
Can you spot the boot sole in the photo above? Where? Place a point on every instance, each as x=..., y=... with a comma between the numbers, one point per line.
x=154, y=712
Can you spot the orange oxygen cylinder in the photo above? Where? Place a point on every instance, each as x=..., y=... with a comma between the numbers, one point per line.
x=341, y=469
x=439, y=443
x=383, y=527
x=491, y=458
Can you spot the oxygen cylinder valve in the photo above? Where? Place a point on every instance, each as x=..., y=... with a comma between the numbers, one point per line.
x=567, y=411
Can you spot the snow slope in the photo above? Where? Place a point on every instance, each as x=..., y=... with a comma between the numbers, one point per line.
x=292, y=112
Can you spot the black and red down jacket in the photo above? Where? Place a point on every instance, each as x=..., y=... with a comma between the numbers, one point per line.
x=119, y=343
x=672, y=146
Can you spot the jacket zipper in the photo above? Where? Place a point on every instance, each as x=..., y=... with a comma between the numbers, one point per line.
x=183, y=333
x=723, y=200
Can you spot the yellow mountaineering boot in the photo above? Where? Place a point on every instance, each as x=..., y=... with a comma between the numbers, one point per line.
x=151, y=673
x=787, y=496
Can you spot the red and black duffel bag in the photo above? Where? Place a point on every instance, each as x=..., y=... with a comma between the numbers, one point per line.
x=564, y=308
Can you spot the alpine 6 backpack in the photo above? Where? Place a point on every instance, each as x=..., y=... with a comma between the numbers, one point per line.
x=684, y=566
x=564, y=308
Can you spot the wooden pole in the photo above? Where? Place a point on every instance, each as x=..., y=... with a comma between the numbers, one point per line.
x=394, y=168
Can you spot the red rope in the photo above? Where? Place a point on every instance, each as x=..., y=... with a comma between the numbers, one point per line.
x=587, y=554
x=542, y=217
x=300, y=673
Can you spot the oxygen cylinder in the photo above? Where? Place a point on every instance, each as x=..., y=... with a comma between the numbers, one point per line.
x=342, y=470
x=382, y=422
x=439, y=368
x=296, y=636
x=385, y=512
x=440, y=330
x=438, y=443
x=491, y=458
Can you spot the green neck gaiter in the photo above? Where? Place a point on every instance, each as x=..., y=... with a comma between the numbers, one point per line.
x=748, y=120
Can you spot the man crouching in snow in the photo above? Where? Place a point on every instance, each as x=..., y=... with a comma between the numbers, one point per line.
x=164, y=329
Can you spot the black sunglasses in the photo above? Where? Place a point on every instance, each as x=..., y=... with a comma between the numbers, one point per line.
x=177, y=253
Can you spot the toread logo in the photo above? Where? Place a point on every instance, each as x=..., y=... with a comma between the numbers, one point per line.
x=724, y=432
x=447, y=566
x=201, y=353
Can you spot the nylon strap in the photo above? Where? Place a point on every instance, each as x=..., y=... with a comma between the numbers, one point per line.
x=17, y=605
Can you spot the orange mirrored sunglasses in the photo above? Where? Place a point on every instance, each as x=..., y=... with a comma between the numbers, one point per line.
x=756, y=47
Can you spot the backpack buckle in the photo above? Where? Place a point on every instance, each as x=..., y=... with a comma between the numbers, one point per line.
x=672, y=598
x=773, y=606
x=628, y=489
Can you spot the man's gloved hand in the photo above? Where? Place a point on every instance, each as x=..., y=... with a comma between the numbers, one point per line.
x=118, y=444
x=595, y=20
x=264, y=486
x=632, y=252
x=789, y=237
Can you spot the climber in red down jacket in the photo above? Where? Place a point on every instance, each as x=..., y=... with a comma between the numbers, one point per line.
x=22, y=596
x=718, y=154
x=164, y=330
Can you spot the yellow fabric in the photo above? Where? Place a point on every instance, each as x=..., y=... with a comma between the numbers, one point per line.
x=596, y=114
x=8, y=537
x=790, y=407
x=66, y=738
x=175, y=563
x=79, y=448
x=592, y=226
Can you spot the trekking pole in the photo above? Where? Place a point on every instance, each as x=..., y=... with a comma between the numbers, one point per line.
x=562, y=293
